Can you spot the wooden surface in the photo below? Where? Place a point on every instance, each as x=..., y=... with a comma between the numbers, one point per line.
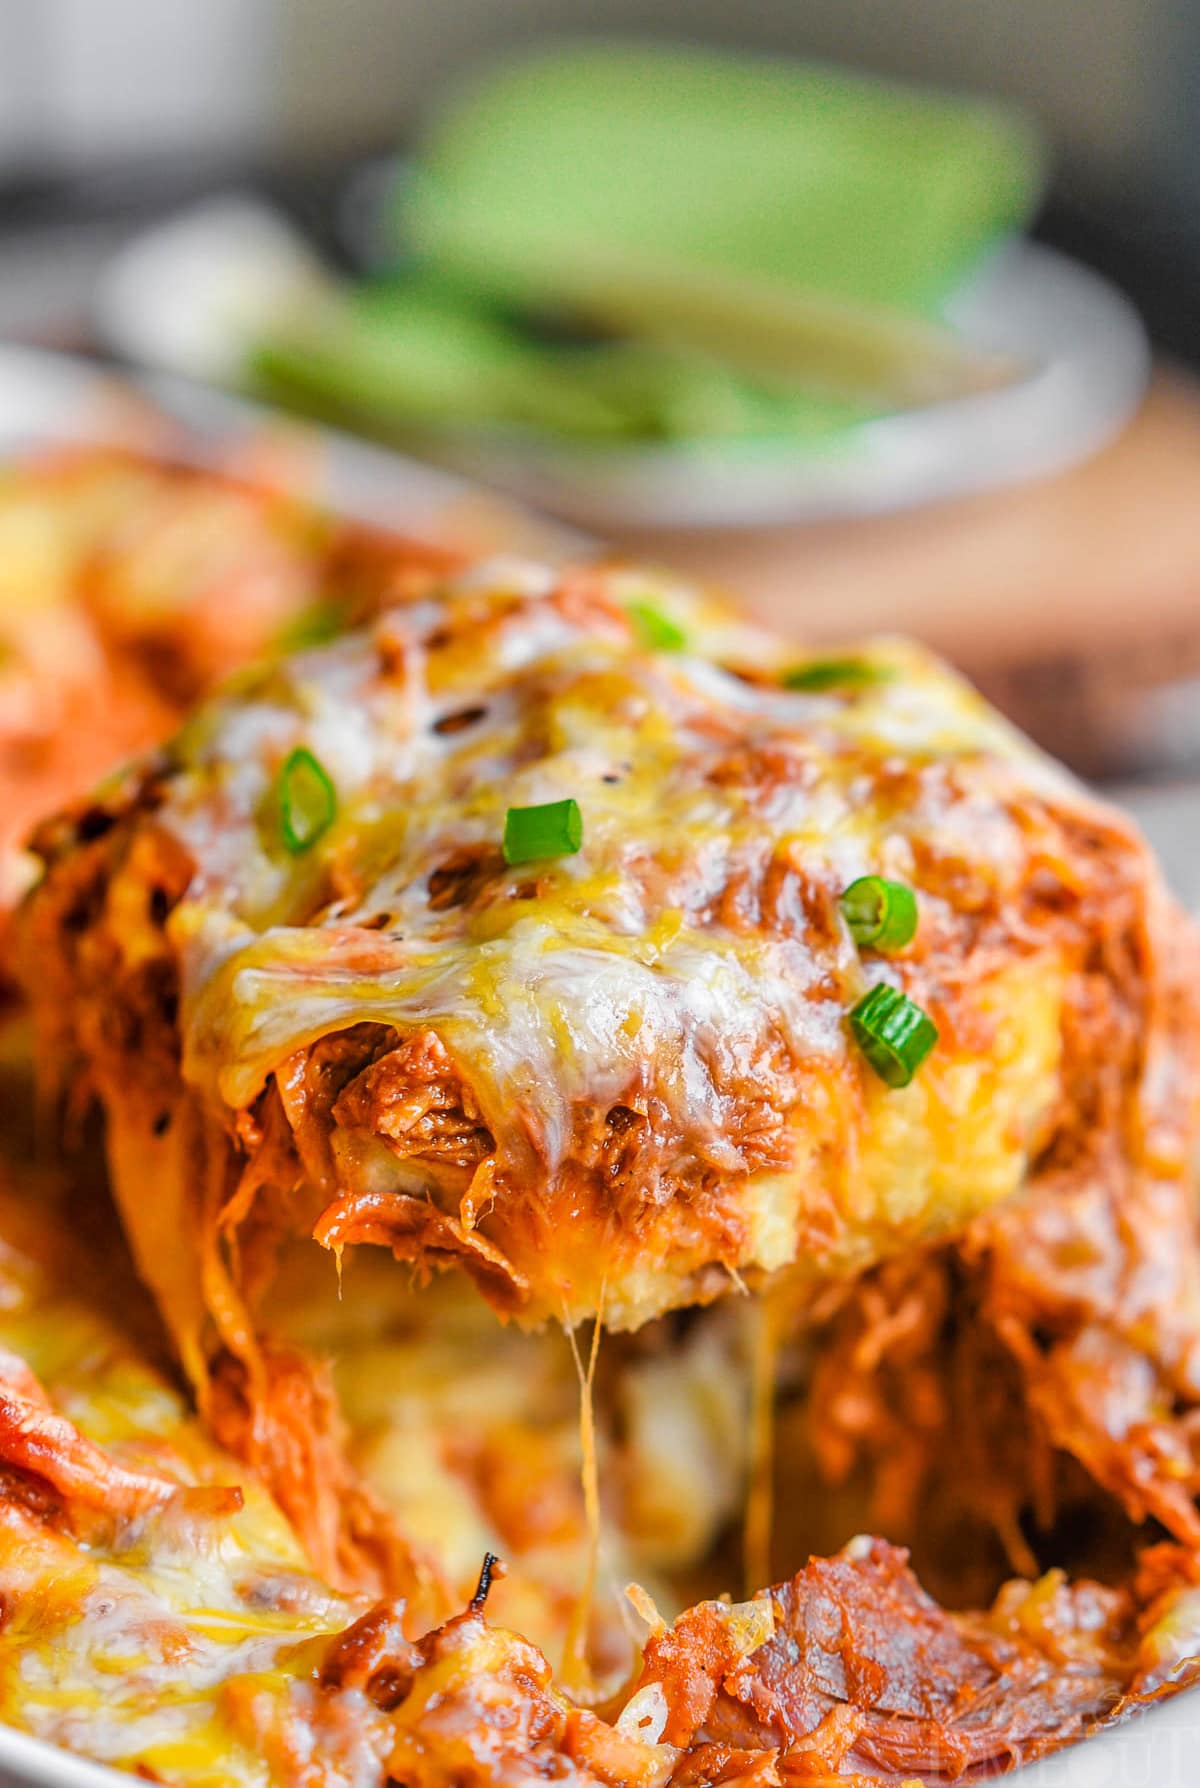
x=1074, y=602
x=1077, y=562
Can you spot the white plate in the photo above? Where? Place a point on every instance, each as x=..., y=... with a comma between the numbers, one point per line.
x=1091, y=360
x=190, y=294
x=31, y=1764
x=1157, y=1749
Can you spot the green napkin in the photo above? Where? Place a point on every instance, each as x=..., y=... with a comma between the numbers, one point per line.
x=794, y=173
x=752, y=249
x=802, y=222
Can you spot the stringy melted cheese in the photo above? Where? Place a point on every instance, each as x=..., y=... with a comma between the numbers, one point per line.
x=689, y=964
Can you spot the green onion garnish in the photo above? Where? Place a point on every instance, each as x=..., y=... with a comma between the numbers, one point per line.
x=882, y=915
x=554, y=829
x=307, y=800
x=836, y=673
x=656, y=631
x=893, y=1033
x=315, y=625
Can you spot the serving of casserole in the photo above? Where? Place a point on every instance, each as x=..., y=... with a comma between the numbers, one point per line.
x=619, y=1204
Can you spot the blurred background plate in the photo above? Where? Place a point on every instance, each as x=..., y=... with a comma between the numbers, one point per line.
x=1091, y=361
x=191, y=294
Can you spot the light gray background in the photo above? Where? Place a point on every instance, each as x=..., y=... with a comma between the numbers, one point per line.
x=1112, y=80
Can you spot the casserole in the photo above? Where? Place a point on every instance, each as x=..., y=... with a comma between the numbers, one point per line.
x=983, y=1347
x=542, y=928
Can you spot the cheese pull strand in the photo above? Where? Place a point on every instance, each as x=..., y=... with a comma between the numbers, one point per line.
x=577, y=1676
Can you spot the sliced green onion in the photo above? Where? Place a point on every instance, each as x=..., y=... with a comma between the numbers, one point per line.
x=307, y=800
x=656, y=631
x=554, y=829
x=836, y=673
x=315, y=625
x=882, y=915
x=893, y=1032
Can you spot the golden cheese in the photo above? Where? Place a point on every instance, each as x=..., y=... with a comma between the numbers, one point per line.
x=128, y=585
x=625, y=1072
x=610, y=1083
x=172, y=1638
x=127, y=1638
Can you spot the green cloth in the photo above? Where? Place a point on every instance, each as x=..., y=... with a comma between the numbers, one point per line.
x=755, y=248
x=804, y=176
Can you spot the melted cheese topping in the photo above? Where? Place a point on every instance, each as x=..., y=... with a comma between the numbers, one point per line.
x=133, y=1643
x=127, y=587
x=685, y=976
x=559, y=996
x=175, y=1641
